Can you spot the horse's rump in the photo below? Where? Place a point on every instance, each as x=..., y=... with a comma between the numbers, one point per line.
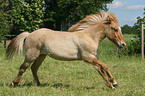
x=16, y=45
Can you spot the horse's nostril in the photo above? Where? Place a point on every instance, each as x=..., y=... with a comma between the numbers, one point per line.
x=123, y=44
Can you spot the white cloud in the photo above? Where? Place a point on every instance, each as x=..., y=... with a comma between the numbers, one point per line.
x=135, y=8
x=129, y=21
x=134, y=19
x=117, y=4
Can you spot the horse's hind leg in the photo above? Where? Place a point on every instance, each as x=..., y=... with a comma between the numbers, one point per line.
x=22, y=69
x=36, y=66
x=30, y=56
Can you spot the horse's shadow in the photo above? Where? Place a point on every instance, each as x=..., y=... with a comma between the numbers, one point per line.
x=61, y=85
x=55, y=85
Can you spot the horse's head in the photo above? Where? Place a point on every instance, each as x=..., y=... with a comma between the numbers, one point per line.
x=113, y=31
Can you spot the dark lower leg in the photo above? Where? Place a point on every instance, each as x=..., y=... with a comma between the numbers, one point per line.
x=36, y=66
x=103, y=75
x=102, y=69
x=105, y=68
x=111, y=78
x=22, y=69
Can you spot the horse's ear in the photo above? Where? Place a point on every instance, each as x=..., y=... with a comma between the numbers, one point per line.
x=107, y=21
x=112, y=17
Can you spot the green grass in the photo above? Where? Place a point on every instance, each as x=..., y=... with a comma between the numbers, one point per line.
x=76, y=78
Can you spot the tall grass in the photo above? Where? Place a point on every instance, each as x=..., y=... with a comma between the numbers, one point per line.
x=76, y=78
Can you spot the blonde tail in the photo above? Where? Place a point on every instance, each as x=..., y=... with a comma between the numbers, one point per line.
x=16, y=45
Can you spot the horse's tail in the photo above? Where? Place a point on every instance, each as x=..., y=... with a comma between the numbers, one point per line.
x=16, y=45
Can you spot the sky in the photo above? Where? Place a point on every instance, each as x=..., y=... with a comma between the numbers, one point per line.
x=127, y=10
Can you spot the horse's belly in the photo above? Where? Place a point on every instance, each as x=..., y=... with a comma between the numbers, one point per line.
x=64, y=56
x=62, y=51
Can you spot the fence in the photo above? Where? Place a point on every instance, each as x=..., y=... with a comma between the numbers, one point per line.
x=10, y=36
x=5, y=40
x=142, y=48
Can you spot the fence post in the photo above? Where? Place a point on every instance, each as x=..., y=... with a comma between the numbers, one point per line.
x=5, y=43
x=142, y=48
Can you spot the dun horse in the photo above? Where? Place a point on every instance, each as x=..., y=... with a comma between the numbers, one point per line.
x=81, y=44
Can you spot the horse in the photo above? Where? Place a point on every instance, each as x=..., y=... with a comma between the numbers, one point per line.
x=81, y=43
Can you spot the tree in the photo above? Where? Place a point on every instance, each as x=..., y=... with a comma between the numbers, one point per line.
x=139, y=22
x=26, y=15
x=61, y=12
x=135, y=46
x=126, y=29
x=29, y=15
x=6, y=5
x=4, y=25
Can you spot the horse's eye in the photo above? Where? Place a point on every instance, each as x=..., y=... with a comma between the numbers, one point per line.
x=115, y=30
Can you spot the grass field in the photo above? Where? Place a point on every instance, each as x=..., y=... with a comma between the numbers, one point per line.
x=76, y=78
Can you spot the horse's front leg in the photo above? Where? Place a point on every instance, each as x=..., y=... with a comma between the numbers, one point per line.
x=103, y=70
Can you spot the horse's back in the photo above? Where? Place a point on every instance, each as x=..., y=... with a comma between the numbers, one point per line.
x=56, y=44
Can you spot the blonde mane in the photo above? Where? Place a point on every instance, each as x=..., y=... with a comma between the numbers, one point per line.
x=89, y=21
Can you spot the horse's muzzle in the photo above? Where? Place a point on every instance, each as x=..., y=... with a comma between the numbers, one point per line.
x=121, y=44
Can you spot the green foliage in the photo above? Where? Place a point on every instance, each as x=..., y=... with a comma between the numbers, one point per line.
x=70, y=11
x=4, y=26
x=27, y=16
x=134, y=47
x=126, y=29
x=136, y=44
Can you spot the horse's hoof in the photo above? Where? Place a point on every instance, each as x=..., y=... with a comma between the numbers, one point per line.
x=14, y=84
x=115, y=85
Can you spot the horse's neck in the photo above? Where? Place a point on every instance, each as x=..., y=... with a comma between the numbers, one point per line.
x=96, y=32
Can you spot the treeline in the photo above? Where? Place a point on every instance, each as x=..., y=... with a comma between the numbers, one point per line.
x=126, y=29
x=18, y=16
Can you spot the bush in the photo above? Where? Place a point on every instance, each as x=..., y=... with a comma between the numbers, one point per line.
x=26, y=16
x=4, y=26
x=134, y=46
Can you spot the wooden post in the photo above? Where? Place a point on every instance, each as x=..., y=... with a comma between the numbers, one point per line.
x=5, y=43
x=142, y=48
